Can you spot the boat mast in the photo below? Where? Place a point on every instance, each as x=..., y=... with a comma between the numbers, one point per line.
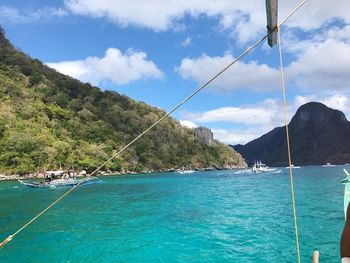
x=272, y=14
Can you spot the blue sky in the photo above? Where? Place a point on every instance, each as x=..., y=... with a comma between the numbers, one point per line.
x=160, y=51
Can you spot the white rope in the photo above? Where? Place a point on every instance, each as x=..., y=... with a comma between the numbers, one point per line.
x=286, y=125
x=135, y=139
x=288, y=144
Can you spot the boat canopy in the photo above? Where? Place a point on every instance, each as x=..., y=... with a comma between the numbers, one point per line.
x=59, y=172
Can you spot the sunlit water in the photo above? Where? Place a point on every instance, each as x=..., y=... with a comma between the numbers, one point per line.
x=219, y=216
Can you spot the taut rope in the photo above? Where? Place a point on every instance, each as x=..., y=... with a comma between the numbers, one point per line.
x=248, y=50
x=243, y=54
x=288, y=143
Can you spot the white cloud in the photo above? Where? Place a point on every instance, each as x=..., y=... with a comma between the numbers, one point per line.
x=252, y=121
x=323, y=63
x=259, y=77
x=237, y=136
x=242, y=115
x=186, y=41
x=339, y=102
x=248, y=121
x=316, y=13
x=336, y=101
x=14, y=15
x=245, y=18
x=188, y=124
x=115, y=66
x=159, y=15
x=338, y=33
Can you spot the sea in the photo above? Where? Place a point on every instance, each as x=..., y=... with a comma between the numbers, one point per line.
x=212, y=216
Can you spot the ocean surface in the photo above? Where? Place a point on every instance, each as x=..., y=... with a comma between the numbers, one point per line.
x=216, y=216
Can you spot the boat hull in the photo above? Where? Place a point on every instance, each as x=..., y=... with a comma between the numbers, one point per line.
x=346, y=197
x=56, y=183
x=33, y=184
x=186, y=172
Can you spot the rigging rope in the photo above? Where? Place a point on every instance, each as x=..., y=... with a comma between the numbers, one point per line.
x=288, y=142
x=243, y=54
x=286, y=125
x=248, y=50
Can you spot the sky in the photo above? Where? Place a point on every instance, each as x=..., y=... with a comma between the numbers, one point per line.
x=160, y=51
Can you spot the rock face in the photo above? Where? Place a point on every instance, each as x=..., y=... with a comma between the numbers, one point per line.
x=318, y=135
x=203, y=134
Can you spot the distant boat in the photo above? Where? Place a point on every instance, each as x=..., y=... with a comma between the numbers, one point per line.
x=186, y=171
x=56, y=179
x=53, y=183
x=328, y=165
x=293, y=167
x=56, y=183
x=259, y=167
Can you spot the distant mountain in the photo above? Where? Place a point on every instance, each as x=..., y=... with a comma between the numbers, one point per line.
x=49, y=120
x=318, y=135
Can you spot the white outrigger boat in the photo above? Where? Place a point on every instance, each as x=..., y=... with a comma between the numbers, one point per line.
x=57, y=179
x=53, y=183
x=259, y=167
x=186, y=171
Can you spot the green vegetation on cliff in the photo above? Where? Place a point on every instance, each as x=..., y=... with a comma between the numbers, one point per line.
x=48, y=120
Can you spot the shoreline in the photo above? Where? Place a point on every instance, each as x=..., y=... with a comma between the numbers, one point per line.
x=15, y=177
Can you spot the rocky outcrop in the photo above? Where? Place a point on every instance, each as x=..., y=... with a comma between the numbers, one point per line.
x=203, y=134
x=318, y=135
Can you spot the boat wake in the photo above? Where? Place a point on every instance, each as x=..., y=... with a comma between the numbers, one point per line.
x=245, y=171
x=276, y=171
x=267, y=171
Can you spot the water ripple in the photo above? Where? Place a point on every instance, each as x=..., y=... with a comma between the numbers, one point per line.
x=225, y=216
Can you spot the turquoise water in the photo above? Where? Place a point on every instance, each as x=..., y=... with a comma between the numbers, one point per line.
x=219, y=216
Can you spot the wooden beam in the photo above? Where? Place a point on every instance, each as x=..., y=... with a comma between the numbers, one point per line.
x=272, y=14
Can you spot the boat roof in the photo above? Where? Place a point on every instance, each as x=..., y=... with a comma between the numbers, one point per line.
x=58, y=172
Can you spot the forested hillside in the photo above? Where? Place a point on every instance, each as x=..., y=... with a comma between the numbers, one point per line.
x=48, y=120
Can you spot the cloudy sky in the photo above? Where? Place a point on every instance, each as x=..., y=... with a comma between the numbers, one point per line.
x=160, y=51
